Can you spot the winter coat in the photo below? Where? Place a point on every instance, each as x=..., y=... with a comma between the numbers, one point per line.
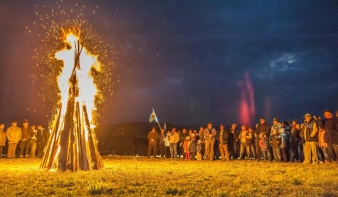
x=262, y=128
x=182, y=137
x=174, y=138
x=277, y=127
x=249, y=138
x=331, y=129
x=166, y=141
x=42, y=136
x=152, y=136
x=192, y=147
x=242, y=136
x=223, y=137
x=295, y=139
x=310, y=131
x=208, y=132
x=275, y=141
x=13, y=134
x=26, y=133
x=2, y=138
x=233, y=136
x=284, y=139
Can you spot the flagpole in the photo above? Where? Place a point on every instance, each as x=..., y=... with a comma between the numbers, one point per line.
x=158, y=122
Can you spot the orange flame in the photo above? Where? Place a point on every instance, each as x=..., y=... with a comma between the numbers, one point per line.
x=87, y=88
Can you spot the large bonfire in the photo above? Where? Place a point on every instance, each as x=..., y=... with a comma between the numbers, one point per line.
x=75, y=63
x=73, y=143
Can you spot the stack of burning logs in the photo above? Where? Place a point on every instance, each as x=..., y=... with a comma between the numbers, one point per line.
x=72, y=144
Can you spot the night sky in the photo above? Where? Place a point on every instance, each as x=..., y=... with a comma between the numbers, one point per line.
x=192, y=61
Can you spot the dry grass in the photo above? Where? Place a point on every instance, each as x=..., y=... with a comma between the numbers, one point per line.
x=131, y=176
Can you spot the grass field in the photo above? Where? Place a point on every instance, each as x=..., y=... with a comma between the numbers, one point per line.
x=138, y=176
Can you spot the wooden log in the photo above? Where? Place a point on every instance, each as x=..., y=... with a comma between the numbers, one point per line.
x=98, y=164
x=51, y=141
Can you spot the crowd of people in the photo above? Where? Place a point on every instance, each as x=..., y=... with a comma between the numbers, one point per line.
x=30, y=139
x=314, y=140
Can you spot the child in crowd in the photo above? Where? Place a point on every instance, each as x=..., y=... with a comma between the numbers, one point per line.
x=199, y=150
x=263, y=144
x=192, y=147
x=275, y=143
x=186, y=145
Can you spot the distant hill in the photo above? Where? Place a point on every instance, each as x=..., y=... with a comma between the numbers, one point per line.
x=127, y=138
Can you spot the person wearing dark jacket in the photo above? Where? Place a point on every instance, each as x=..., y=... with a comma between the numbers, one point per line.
x=330, y=126
x=183, y=136
x=233, y=141
x=161, y=144
x=262, y=127
x=309, y=133
x=222, y=137
x=152, y=137
x=25, y=139
x=42, y=139
x=296, y=153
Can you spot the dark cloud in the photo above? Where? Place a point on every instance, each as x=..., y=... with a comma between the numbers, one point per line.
x=186, y=58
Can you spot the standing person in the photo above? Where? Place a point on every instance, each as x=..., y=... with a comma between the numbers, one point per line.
x=42, y=139
x=276, y=125
x=192, y=146
x=243, y=141
x=310, y=135
x=300, y=146
x=2, y=138
x=13, y=134
x=209, y=138
x=183, y=136
x=186, y=145
x=233, y=141
x=222, y=137
x=264, y=144
x=284, y=143
x=330, y=126
x=294, y=141
x=167, y=145
x=201, y=137
x=263, y=127
x=161, y=144
x=32, y=142
x=152, y=137
x=199, y=150
x=250, y=142
x=173, y=139
x=275, y=143
x=25, y=139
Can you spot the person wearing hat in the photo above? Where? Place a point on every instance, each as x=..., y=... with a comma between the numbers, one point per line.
x=13, y=135
x=222, y=137
x=310, y=135
x=25, y=139
x=329, y=129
